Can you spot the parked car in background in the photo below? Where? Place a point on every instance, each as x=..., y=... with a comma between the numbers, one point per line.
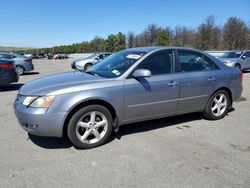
x=23, y=64
x=8, y=72
x=60, y=56
x=238, y=59
x=86, y=63
x=27, y=55
x=132, y=85
x=38, y=56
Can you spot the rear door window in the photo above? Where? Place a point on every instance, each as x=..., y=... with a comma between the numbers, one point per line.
x=194, y=61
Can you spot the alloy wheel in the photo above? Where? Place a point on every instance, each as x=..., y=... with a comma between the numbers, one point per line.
x=91, y=127
x=19, y=70
x=219, y=104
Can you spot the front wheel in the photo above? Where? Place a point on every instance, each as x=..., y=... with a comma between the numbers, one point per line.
x=90, y=127
x=87, y=66
x=217, y=105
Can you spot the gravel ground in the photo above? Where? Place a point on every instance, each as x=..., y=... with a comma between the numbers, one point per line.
x=182, y=151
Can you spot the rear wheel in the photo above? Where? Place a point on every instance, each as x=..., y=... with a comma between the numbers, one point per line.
x=90, y=127
x=217, y=105
x=19, y=70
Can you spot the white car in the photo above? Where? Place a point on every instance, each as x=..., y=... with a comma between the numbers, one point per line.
x=86, y=63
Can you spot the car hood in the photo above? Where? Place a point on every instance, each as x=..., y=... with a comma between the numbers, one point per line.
x=64, y=82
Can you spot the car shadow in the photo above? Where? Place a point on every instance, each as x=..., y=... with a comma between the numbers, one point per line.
x=133, y=128
x=11, y=87
x=60, y=143
x=30, y=73
x=50, y=142
x=155, y=124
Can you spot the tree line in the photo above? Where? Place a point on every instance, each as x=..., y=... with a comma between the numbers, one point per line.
x=234, y=34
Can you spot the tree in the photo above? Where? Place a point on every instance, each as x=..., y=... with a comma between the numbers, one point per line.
x=115, y=42
x=151, y=33
x=131, y=39
x=235, y=33
x=110, y=43
x=97, y=44
x=208, y=35
x=120, y=42
x=162, y=38
x=185, y=36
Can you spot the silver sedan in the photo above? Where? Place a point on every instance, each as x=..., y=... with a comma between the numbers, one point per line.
x=129, y=86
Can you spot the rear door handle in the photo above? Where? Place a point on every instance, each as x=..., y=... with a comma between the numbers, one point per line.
x=173, y=83
x=211, y=79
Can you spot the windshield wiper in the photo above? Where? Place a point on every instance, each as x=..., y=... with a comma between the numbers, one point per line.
x=92, y=73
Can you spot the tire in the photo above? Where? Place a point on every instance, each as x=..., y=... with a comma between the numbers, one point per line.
x=19, y=70
x=85, y=133
x=237, y=66
x=217, y=110
x=87, y=66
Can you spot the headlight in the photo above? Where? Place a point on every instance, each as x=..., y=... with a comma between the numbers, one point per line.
x=39, y=102
x=79, y=67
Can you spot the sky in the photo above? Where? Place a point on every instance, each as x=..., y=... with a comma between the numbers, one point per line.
x=47, y=23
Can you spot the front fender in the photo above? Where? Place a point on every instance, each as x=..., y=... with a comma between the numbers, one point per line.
x=67, y=102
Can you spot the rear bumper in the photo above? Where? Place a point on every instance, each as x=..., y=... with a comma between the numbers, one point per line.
x=37, y=121
x=237, y=93
x=27, y=66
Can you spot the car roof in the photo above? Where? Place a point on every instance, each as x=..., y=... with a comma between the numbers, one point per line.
x=151, y=48
x=4, y=60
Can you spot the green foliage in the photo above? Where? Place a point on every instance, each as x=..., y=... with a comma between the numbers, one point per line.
x=116, y=42
x=177, y=42
x=162, y=38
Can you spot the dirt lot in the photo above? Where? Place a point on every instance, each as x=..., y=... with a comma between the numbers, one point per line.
x=183, y=151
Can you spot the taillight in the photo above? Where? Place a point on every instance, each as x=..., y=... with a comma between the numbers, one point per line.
x=28, y=60
x=241, y=76
x=7, y=66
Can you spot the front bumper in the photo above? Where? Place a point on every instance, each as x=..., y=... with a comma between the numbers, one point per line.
x=37, y=121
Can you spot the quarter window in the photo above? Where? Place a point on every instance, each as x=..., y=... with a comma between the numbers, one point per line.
x=158, y=63
x=192, y=61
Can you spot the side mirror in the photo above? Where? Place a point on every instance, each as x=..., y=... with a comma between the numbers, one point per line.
x=244, y=57
x=97, y=58
x=142, y=73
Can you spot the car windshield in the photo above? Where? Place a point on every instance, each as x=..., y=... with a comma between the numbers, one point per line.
x=115, y=65
x=228, y=54
x=93, y=56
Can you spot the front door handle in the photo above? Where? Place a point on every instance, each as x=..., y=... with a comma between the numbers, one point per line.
x=211, y=79
x=173, y=83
